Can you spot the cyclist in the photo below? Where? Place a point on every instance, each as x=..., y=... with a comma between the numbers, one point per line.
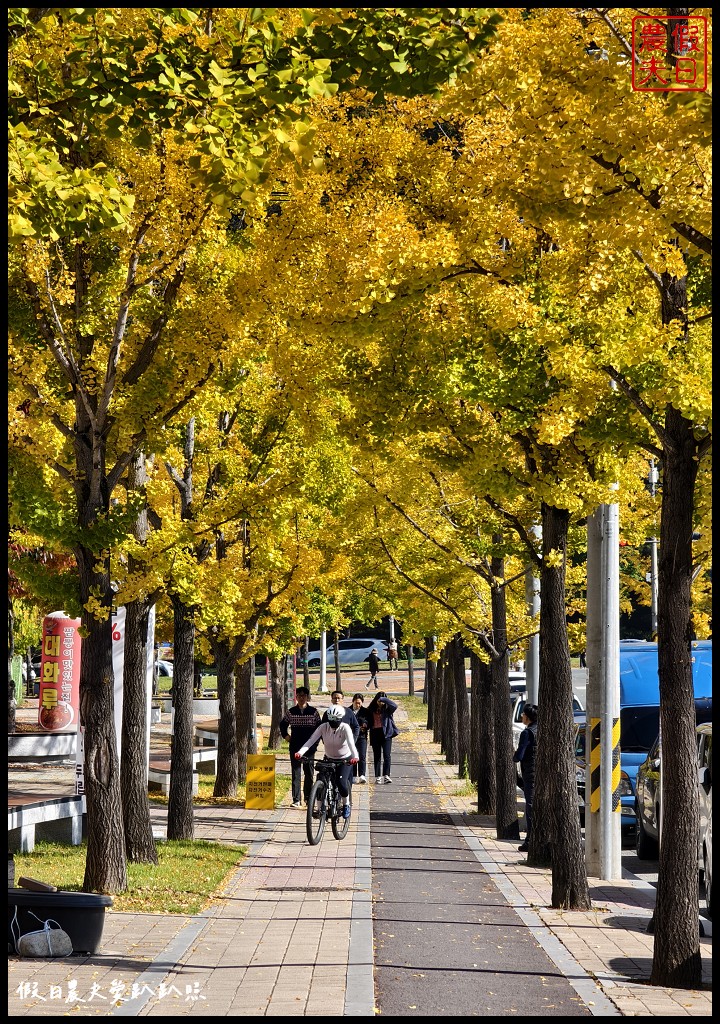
x=340, y=747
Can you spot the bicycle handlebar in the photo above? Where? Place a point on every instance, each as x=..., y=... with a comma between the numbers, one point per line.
x=327, y=762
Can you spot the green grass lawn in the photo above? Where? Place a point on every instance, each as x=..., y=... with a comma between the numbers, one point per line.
x=187, y=877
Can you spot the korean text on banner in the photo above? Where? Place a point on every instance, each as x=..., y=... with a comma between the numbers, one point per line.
x=59, y=703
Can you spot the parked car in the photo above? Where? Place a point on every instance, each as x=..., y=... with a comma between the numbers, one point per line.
x=640, y=698
x=351, y=652
x=165, y=668
x=628, y=822
x=518, y=702
x=704, y=738
x=648, y=805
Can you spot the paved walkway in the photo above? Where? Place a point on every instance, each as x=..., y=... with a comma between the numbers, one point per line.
x=292, y=933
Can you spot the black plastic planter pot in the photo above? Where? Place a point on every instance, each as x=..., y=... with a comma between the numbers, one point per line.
x=80, y=914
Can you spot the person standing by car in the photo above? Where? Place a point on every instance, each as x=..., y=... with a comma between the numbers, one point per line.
x=361, y=742
x=392, y=654
x=525, y=757
x=382, y=731
x=300, y=721
x=374, y=664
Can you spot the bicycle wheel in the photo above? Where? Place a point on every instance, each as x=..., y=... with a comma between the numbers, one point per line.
x=340, y=824
x=316, y=813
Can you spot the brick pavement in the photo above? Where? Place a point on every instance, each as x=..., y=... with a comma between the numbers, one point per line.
x=292, y=932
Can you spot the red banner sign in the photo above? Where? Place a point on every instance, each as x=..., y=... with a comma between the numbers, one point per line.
x=59, y=705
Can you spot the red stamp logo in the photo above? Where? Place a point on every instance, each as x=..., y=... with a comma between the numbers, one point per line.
x=669, y=53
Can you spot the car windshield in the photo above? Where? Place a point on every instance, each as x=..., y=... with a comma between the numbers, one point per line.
x=638, y=728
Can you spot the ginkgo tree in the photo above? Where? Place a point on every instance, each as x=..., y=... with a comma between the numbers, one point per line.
x=134, y=134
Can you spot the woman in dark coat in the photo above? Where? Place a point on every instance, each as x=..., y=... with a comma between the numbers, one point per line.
x=525, y=757
x=382, y=730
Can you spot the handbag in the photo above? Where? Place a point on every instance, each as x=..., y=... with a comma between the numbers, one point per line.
x=45, y=942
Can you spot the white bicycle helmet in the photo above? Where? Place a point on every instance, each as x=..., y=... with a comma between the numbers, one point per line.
x=335, y=714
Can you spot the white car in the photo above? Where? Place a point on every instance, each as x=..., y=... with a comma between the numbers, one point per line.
x=351, y=652
x=517, y=723
x=165, y=668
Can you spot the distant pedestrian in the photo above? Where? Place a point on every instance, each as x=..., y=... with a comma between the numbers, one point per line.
x=392, y=654
x=374, y=665
x=337, y=698
x=380, y=713
x=525, y=757
x=361, y=742
x=300, y=721
x=583, y=660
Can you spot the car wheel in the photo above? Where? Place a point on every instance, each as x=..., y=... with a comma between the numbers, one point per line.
x=646, y=847
x=312, y=662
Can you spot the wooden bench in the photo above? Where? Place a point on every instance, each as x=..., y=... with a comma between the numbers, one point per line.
x=159, y=768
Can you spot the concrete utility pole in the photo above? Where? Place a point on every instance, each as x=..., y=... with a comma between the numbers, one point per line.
x=392, y=627
x=323, y=663
x=602, y=742
x=532, y=661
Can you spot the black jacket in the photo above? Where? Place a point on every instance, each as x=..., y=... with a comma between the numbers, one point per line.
x=525, y=753
x=374, y=663
x=351, y=719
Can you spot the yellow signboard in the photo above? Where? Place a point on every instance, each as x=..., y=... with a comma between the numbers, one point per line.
x=260, y=784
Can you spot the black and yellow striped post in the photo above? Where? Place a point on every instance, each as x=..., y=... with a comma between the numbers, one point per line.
x=594, y=765
x=616, y=806
x=594, y=774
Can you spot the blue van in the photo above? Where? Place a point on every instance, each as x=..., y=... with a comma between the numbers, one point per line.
x=640, y=712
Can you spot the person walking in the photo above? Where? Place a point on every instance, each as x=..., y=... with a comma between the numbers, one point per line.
x=392, y=654
x=361, y=741
x=382, y=731
x=525, y=757
x=339, y=747
x=374, y=664
x=337, y=698
x=300, y=721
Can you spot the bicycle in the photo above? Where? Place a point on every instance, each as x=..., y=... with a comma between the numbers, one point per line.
x=325, y=802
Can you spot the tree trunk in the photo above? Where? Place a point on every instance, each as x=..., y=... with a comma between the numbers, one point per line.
x=226, y=780
x=277, y=668
x=139, y=843
x=180, y=803
x=486, y=777
x=555, y=836
x=676, y=955
x=243, y=684
x=306, y=668
x=506, y=819
x=451, y=742
x=439, y=700
x=105, y=865
x=336, y=653
x=430, y=678
x=253, y=746
x=462, y=707
x=12, y=703
x=411, y=670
